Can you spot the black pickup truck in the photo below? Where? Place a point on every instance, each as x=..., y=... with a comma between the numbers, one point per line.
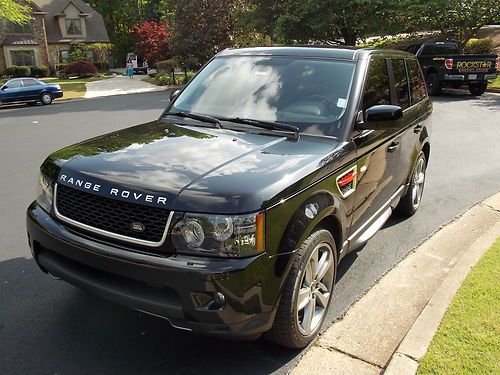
x=443, y=65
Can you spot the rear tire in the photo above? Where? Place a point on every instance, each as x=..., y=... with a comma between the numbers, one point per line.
x=46, y=98
x=410, y=202
x=477, y=89
x=307, y=292
x=434, y=84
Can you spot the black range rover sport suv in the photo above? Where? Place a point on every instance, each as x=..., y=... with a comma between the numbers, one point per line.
x=229, y=215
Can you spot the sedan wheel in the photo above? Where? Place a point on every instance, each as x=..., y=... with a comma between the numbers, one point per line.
x=46, y=98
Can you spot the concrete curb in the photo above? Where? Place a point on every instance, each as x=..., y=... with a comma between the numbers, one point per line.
x=412, y=349
x=390, y=328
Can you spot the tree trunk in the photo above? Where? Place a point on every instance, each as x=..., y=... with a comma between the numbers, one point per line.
x=350, y=37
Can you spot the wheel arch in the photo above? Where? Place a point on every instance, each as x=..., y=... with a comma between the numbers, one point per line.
x=431, y=70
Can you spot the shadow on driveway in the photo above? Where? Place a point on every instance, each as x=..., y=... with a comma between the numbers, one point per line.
x=53, y=327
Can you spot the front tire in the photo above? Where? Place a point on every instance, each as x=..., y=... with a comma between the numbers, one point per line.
x=307, y=292
x=410, y=202
x=46, y=98
x=477, y=89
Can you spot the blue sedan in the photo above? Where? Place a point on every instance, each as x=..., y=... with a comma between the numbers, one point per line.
x=29, y=90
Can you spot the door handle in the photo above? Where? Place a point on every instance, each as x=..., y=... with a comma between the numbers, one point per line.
x=394, y=146
x=417, y=129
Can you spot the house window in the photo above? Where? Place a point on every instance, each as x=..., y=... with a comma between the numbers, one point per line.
x=26, y=57
x=73, y=26
x=13, y=28
x=64, y=56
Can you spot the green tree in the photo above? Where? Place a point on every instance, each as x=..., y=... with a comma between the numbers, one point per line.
x=458, y=20
x=201, y=29
x=16, y=12
x=120, y=15
x=341, y=21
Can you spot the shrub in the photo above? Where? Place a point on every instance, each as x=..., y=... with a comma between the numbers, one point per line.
x=39, y=71
x=60, y=67
x=164, y=79
x=102, y=66
x=81, y=69
x=18, y=71
x=479, y=46
x=77, y=52
x=167, y=65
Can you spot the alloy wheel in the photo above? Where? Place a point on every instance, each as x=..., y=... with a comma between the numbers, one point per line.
x=418, y=183
x=315, y=289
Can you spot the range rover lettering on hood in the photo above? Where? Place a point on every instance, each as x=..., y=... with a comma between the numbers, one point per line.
x=110, y=190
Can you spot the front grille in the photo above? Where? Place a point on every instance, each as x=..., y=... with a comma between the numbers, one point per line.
x=111, y=215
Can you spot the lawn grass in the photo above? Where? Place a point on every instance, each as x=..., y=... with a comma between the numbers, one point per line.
x=495, y=84
x=468, y=339
x=72, y=88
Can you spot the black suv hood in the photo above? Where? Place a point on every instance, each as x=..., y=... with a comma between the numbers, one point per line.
x=196, y=169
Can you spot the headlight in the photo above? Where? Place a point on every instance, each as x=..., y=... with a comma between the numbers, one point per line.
x=219, y=235
x=44, y=193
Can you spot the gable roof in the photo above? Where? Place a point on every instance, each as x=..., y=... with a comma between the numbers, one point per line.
x=96, y=30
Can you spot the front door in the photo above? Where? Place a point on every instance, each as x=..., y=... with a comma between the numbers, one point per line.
x=378, y=153
x=12, y=91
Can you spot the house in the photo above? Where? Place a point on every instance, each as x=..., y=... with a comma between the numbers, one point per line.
x=46, y=38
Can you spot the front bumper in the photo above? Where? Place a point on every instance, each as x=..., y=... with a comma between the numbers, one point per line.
x=183, y=289
x=57, y=94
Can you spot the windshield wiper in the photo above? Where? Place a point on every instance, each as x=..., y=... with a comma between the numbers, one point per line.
x=195, y=116
x=271, y=125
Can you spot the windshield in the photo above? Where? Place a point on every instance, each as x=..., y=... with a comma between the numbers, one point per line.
x=307, y=93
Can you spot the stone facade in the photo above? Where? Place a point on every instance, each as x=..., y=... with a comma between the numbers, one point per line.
x=49, y=38
x=40, y=36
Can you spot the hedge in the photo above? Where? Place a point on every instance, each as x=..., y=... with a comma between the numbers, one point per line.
x=39, y=71
x=81, y=69
x=479, y=46
x=18, y=71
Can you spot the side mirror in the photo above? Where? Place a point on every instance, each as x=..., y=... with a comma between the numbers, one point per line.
x=381, y=117
x=174, y=94
x=3, y=88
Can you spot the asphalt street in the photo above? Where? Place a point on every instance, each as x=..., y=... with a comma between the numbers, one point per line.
x=50, y=327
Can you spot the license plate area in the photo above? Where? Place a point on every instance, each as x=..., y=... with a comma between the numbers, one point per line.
x=472, y=76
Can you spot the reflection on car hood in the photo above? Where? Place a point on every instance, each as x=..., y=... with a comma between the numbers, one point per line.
x=198, y=169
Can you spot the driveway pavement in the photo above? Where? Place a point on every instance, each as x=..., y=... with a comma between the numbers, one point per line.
x=49, y=327
x=119, y=85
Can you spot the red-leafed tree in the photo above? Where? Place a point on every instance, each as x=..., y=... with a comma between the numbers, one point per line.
x=151, y=40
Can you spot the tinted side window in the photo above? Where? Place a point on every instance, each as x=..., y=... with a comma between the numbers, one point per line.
x=377, y=84
x=30, y=82
x=417, y=84
x=401, y=83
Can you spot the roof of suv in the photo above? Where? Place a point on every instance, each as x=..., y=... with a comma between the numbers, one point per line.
x=334, y=52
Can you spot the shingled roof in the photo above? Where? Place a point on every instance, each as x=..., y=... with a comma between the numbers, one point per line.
x=96, y=31
x=19, y=40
